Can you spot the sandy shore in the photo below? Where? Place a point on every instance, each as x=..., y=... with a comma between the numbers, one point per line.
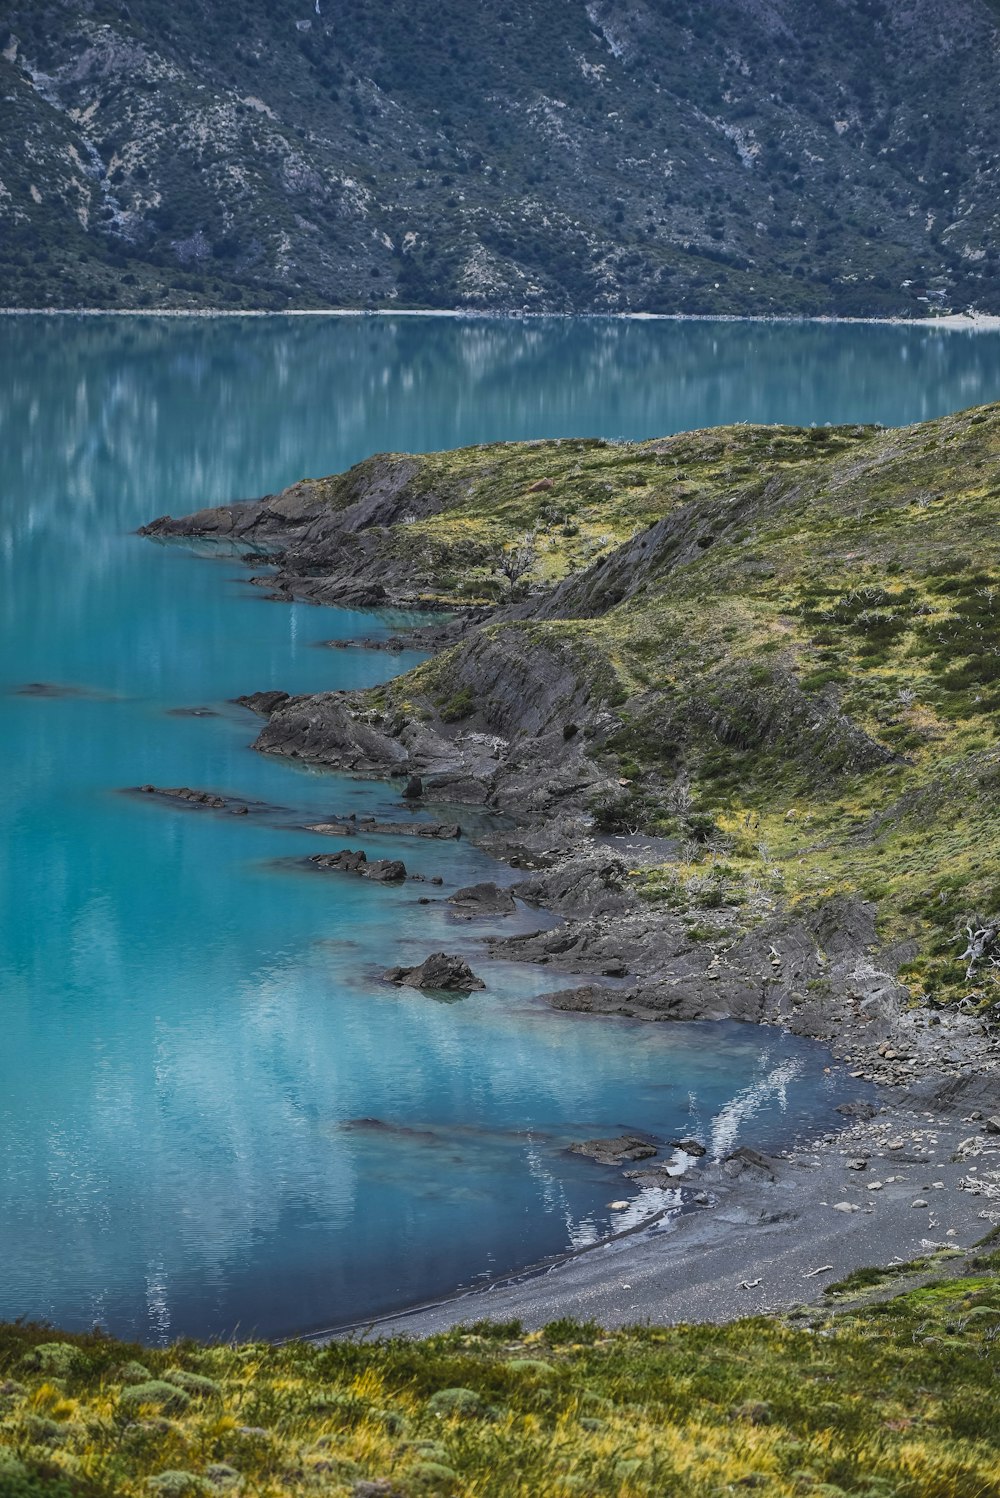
x=768, y=1240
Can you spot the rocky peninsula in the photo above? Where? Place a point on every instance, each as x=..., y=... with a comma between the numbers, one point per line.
x=735, y=693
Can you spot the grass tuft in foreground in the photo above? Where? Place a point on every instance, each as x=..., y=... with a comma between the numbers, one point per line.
x=900, y=1399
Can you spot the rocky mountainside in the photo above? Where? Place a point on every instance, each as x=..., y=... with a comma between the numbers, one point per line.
x=693, y=156
x=738, y=688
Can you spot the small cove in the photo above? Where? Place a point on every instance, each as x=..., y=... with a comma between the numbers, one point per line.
x=195, y=1035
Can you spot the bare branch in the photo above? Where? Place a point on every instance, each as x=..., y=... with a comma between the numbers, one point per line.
x=982, y=943
x=515, y=561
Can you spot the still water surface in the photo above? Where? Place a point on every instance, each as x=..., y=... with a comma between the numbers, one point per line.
x=192, y=1028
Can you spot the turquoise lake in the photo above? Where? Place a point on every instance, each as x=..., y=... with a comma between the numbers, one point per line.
x=194, y=1036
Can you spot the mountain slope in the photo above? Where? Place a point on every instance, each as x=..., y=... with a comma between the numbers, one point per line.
x=659, y=155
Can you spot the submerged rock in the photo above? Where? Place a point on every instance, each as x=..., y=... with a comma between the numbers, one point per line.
x=395, y=644
x=344, y=826
x=441, y=970
x=51, y=689
x=209, y=799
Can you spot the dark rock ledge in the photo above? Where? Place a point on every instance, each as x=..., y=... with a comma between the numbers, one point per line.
x=381, y=870
x=615, y=1151
x=186, y=795
x=352, y=825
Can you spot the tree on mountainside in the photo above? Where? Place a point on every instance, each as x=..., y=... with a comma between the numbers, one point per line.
x=515, y=561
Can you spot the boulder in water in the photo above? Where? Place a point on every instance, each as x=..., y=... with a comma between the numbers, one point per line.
x=615, y=1151
x=384, y=870
x=441, y=970
x=483, y=899
x=351, y=861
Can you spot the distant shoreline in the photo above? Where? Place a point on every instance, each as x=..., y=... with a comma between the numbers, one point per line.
x=962, y=322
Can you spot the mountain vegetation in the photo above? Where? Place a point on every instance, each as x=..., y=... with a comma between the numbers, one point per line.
x=666, y=156
x=776, y=647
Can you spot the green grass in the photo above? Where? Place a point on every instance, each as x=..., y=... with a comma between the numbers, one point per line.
x=872, y=1277
x=900, y=1400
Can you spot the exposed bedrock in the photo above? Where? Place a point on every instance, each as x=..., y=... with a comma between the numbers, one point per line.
x=498, y=737
x=486, y=899
x=820, y=973
x=323, y=730
x=332, y=538
x=312, y=510
x=351, y=861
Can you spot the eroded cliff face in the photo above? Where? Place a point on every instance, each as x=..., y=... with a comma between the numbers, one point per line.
x=683, y=157
x=741, y=706
x=518, y=728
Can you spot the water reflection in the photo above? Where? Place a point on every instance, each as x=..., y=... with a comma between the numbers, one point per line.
x=141, y=410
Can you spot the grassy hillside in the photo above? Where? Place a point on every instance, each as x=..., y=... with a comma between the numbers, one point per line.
x=898, y=1400
x=671, y=157
x=791, y=634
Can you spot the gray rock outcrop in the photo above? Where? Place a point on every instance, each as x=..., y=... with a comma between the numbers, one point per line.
x=348, y=861
x=482, y=900
x=615, y=1151
x=441, y=970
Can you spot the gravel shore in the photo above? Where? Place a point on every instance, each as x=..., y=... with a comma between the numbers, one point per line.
x=916, y=1179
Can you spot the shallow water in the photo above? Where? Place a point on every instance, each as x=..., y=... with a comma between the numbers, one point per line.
x=191, y=1025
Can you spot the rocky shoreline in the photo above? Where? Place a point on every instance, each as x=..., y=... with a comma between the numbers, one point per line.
x=822, y=974
x=513, y=717
x=524, y=732
x=910, y=1188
